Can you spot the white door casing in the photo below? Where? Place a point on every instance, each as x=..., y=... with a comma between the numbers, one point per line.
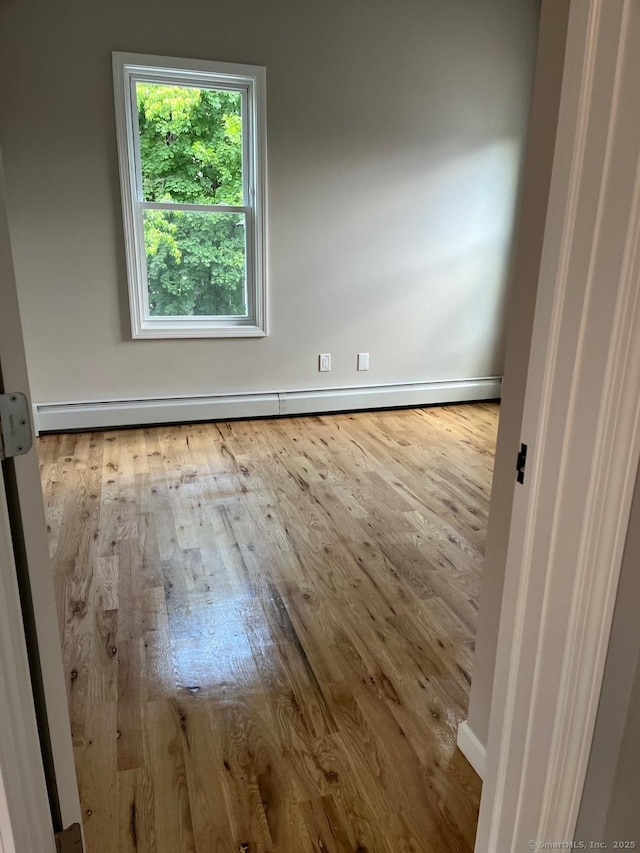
x=13, y=373
x=581, y=424
x=25, y=820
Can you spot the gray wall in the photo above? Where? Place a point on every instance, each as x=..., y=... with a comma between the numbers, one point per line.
x=530, y=233
x=623, y=816
x=610, y=808
x=395, y=130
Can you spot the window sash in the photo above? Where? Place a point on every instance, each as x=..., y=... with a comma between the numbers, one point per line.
x=247, y=92
x=192, y=320
x=177, y=206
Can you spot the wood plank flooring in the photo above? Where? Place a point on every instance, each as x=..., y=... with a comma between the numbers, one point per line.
x=268, y=629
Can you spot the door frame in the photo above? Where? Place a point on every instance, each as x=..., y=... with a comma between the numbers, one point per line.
x=581, y=421
x=30, y=648
x=25, y=816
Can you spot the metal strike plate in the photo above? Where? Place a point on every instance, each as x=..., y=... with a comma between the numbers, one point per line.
x=16, y=437
x=521, y=463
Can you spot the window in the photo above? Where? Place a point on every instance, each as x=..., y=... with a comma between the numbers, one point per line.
x=192, y=166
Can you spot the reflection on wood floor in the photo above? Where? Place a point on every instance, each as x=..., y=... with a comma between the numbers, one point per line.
x=268, y=629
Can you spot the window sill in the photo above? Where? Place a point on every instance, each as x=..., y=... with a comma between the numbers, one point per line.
x=173, y=330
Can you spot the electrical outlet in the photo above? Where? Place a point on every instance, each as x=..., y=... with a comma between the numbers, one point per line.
x=363, y=361
x=324, y=362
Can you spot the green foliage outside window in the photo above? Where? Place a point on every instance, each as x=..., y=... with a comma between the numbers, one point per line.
x=191, y=153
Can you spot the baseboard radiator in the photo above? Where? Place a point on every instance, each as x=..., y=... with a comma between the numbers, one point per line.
x=61, y=417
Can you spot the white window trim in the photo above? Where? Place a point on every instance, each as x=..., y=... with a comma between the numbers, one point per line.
x=129, y=68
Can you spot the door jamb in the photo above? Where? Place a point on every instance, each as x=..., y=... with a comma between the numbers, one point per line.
x=25, y=818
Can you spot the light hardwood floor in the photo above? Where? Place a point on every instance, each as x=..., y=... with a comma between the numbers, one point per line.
x=268, y=629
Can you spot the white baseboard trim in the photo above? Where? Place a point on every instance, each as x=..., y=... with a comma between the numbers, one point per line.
x=471, y=748
x=58, y=417
x=385, y=396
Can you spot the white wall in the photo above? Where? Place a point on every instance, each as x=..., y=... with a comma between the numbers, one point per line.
x=395, y=130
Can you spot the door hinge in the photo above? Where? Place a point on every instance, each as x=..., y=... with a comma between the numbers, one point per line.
x=69, y=840
x=521, y=464
x=16, y=436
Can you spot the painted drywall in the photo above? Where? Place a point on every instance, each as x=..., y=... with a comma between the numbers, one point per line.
x=395, y=130
x=623, y=818
x=609, y=808
x=526, y=268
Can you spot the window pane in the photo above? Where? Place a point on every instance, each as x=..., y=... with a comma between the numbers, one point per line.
x=196, y=263
x=190, y=144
